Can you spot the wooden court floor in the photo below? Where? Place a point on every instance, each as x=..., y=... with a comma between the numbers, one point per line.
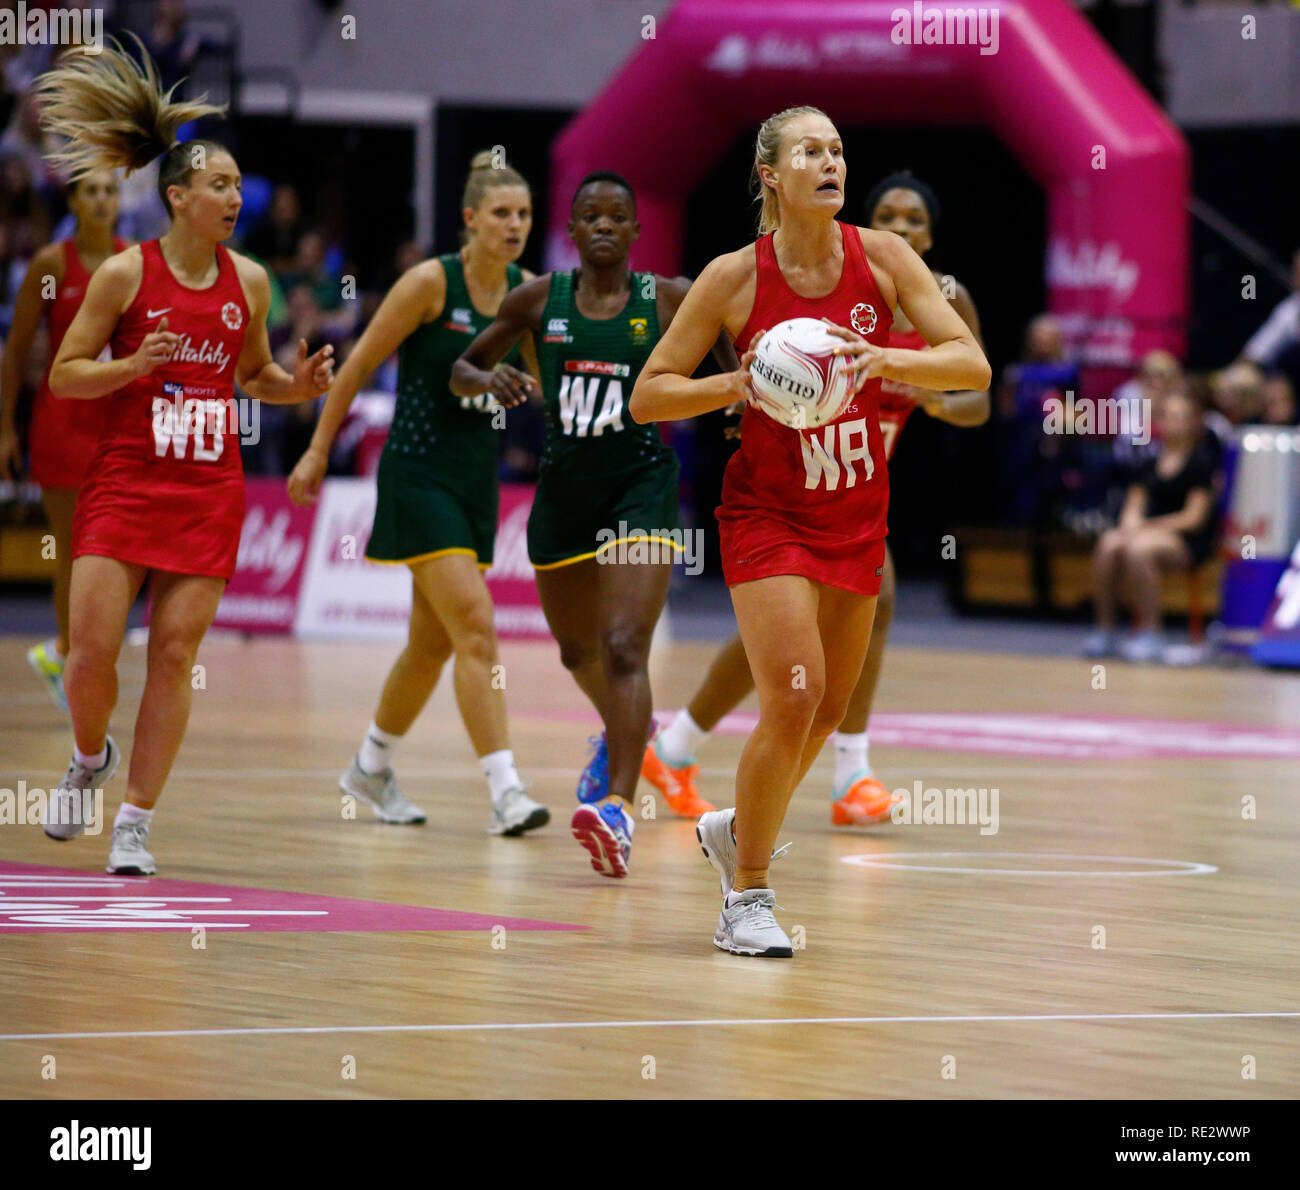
x=987, y=979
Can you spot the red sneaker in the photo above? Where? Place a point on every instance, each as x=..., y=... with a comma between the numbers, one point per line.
x=866, y=801
x=676, y=784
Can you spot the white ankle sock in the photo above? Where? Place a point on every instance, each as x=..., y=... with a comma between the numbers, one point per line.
x=130, y=813
x=92, y=760
x=851, y=756
x=376, y=751
x=499, y=769
x=679, y=740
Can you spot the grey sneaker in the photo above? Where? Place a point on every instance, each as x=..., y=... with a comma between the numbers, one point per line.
x=63, y=816
x=1101, y=642
x=128, y=855
x=380, y=791
x=714, y=833
x=749, y=927
x=516, y=812
x=1142, y=647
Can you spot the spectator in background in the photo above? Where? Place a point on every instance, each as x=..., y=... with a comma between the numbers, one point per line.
x=24, y=229
x=310, y=269
x=1168, y=522
x=24, y=138
x=1238, y=400
x=1158, y=374
x=1036, y=465
x=172, y=44
x=275, y=240
x=1279, y=401
x=1276, y=345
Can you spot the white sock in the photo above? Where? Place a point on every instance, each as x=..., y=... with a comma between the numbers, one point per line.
x=130, y=813
x=92, y=760
x=680, y=739
x=376, y=751
x=499, y=769
x=851, y=756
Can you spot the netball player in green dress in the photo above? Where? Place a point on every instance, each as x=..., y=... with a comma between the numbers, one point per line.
x=436, y=511
x=604, y=521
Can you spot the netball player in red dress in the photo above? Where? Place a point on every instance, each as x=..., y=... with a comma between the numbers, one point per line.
x=802, y=529
x=63, y=437
x=908, y=207
x=164, y=494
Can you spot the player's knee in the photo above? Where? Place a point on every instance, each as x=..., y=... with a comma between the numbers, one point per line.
x=576, y=655
x=793, y=707
x=173, y=657
x=624, y=650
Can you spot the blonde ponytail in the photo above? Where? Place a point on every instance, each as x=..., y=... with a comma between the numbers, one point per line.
x=112, y=110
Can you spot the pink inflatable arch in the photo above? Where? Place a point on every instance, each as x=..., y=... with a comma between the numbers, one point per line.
x=1114, y=169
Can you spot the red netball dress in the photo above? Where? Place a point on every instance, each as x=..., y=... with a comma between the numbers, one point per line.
x=895, y=404
x=65, y=434
x=811, y=502
x=166, y=488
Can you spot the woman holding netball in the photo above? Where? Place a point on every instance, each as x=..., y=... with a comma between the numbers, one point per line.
x=605, y=511
x=437, y=499
x=908, y=207
x=64, y=434
x=164, y=494
x=803, y=557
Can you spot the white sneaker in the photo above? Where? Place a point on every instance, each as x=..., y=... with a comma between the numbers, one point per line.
x=719, y=846
x=379, y=790
x=1142, y=646
x=127, y=855
x=48, y=666
x=63, y=815
x=748, y=926
x=516, y=812
x=1101, y=642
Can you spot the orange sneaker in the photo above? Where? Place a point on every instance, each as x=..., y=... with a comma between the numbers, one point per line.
x=866, y=801
x=676, y=784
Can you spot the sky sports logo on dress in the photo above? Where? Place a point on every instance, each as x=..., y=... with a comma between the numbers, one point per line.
x=80, y=1142
x=945, y=26
x=35, y=25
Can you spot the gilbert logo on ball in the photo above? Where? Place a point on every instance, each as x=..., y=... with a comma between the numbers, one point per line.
x=798, y=379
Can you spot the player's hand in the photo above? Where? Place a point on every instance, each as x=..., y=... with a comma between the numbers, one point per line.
x=305, y=478
x=11, y=455
x=867, y=361
x=510, y=386
x=312, y=375
x=155, y=349
x=740, y=380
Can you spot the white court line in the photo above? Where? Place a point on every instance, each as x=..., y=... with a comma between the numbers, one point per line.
x=793, y=1020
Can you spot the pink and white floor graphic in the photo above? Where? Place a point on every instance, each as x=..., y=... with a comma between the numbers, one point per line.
x=36, y=899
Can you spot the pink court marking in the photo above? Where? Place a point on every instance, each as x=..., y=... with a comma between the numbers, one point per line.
x=1071, y=737
x=36, y=899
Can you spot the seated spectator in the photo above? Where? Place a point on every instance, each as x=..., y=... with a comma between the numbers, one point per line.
x=275, y=239
x=1279, y=401
x=1276, y=345
x=1168, y=522
x=1238, y=399
x=25, y=138
x=310, y=269
x=172, y=44
x=1158, y=374
x=1035, y=464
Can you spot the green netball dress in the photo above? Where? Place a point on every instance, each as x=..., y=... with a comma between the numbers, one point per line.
x=603, y=478
x=437, y=483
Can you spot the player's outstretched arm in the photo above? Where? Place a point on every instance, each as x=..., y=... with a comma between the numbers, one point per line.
x=665, y=391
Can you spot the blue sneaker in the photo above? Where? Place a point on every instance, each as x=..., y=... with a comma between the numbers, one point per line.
x=593, y=783
x=605, y=829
